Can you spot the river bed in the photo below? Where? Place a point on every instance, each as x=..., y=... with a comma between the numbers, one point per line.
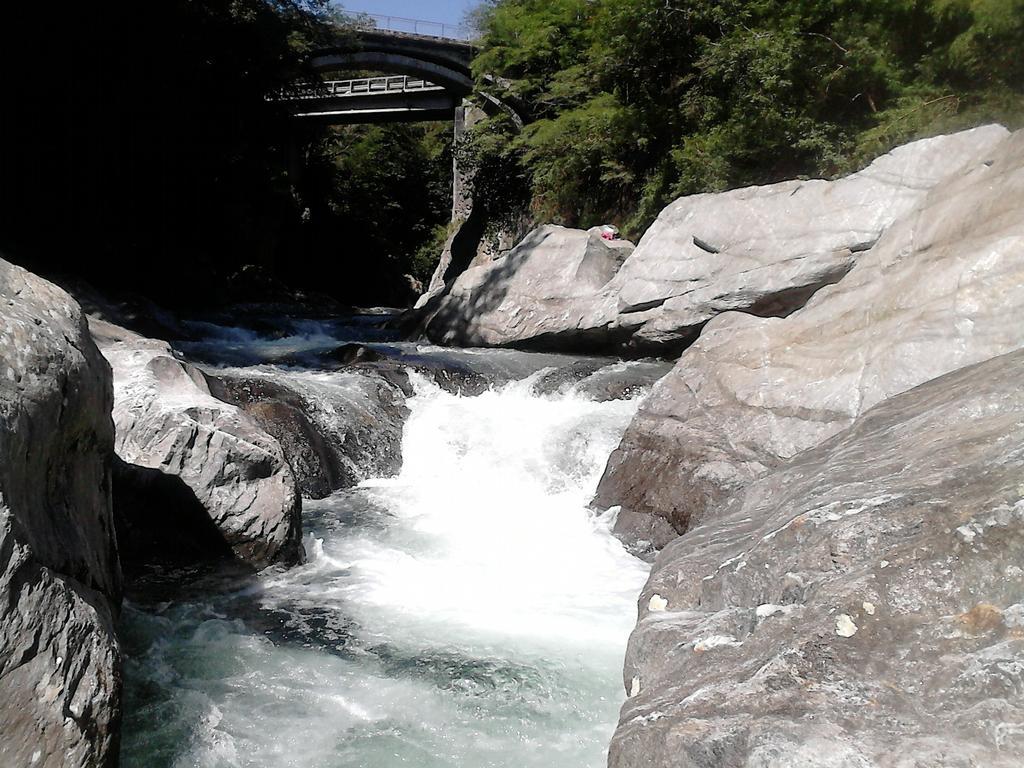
x=471, y=611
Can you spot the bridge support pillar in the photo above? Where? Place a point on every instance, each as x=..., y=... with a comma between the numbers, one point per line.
x=465, y=232
x=466, y=116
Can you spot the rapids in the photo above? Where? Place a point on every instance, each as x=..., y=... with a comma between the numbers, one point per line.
x=469, y=612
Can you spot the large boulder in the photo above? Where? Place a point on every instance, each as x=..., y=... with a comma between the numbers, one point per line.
x=940, y=291
x=860, y=606
x=762, y=250
x=60, y=584
x=336, y=429
x=766, y=250
x=545, y=292
x=176, y=441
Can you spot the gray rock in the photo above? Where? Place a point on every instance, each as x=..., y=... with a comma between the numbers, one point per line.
x=601, y=380
x=60, y=583
x=938, y=292
x=767, y=250
x=473, y=240
x=543, y=293
x=762, y=250
x=862, y=605
x=167, y=420
x=336, y=429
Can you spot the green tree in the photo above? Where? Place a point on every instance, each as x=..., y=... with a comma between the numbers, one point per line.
x=632, y=102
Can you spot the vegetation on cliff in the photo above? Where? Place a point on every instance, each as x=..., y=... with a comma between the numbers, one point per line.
x=630, y=103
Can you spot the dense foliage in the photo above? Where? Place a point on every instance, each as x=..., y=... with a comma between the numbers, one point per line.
x=137, y=148
x=379, y=199
x=629, y=103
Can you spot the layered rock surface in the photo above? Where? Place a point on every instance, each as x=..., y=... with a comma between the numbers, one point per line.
x=60, y=590
x=861, y=606
x=941, y=290
x=178, y=442
x=762, y=250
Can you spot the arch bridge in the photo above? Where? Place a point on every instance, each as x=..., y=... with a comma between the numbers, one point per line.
x=427, y=74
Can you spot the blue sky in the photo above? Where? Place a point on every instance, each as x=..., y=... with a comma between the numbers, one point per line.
x=446, y=11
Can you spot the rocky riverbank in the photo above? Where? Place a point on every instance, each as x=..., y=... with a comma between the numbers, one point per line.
x=763, y=251
x=830, y=471
x=829, y=476
x=846, y=587
x=861, y=605
x=116, y=450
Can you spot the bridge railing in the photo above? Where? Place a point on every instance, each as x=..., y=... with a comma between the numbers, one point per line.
x=402, y=25
x=361, y=86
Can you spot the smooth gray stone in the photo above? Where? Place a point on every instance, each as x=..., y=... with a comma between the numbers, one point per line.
x=544, y=293
x=761, y=250
x=766, y=250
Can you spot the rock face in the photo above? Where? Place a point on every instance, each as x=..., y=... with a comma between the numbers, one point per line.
x=176, y=440
x=60, y=590
x=473, y=240
x=336, y=429
x=862, y=605
x=546, y=292
x=766, y=250
x=762, y=250
x=938, y=292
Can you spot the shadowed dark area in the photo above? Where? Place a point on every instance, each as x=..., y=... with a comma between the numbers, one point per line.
x=138, y=149
x=159, y=520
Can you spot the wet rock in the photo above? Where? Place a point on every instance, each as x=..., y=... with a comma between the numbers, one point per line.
x=935, y=294
x=60, y=583
x=211, y=453
x=458, y=381
x=623, y=381
x=870, y=587
x=336, y=429
x=761, y=250
x=350, y=354
x=567, y=376
x=449, y=376
x=601, y=379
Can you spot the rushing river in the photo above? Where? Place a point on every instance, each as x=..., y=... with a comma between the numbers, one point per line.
x=469, y=612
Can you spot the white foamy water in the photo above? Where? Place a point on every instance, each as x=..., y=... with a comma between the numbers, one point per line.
x=469, y=612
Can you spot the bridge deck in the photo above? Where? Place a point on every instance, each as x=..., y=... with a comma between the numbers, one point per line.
x=429, y=65
x=361, y=86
